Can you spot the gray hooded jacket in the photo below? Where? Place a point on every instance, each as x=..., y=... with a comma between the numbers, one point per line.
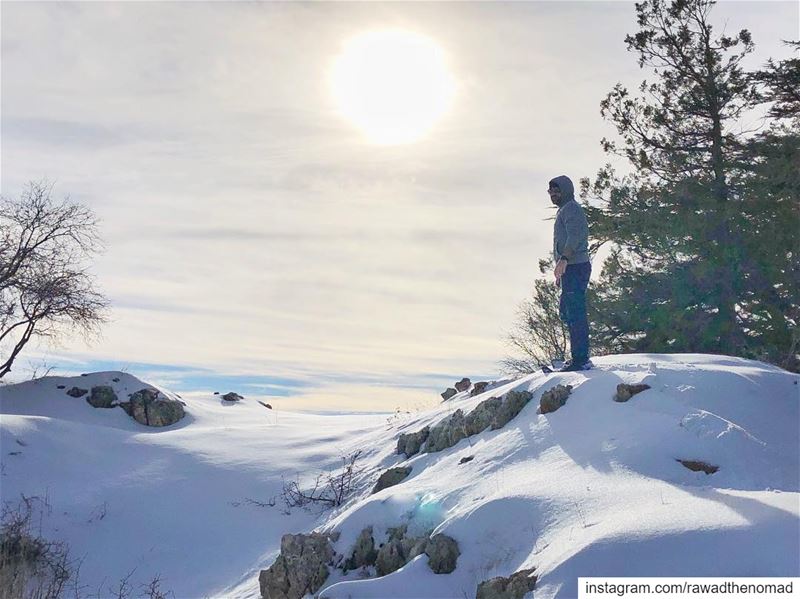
x=571, y=231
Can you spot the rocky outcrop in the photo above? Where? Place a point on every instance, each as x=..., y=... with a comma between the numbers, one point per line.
x=102, y=396
x=466, y=459
x=698, y=466
x=463, y=384
x=151, y=408
x=77, y=392
x=478, y=388
x=446, y=433
x=492, y=413
x=482, y=417
x=448, y=393
x=442, y=552
x=363, y=553
x=391, y=477
x=626, y=391
x=410, y=443
x=513, y=587
x=512, y=405
x=554, y=398
x=398, y=551
x=301, y=567
x=232, y=397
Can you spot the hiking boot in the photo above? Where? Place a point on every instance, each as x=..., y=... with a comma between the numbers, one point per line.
x=572, y=366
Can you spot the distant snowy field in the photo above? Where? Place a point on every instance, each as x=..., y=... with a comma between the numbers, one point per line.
x=593, y=489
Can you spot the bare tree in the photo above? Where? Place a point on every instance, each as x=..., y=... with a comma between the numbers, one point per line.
x=45, y=285
x=539, y=335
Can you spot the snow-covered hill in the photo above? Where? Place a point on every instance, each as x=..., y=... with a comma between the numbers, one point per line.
x=592, y=489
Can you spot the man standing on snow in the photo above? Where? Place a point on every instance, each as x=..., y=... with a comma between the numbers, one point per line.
x=573, y=269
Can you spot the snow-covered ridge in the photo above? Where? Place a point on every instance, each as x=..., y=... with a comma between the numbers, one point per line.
x=593, y=489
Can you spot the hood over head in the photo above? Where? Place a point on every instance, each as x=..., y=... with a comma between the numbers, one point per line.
x=564, y=183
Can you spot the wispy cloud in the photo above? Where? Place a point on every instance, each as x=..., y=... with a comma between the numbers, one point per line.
x=253, y=233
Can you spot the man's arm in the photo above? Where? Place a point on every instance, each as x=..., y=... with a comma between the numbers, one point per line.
x=577, y=230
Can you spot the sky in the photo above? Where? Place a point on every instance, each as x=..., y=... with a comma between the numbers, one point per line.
x=256, y=239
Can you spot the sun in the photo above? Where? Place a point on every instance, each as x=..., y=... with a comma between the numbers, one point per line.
x=394, y=85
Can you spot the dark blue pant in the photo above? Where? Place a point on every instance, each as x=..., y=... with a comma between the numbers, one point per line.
x=572, y=308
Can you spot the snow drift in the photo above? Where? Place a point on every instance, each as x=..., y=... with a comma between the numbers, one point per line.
x=595, y=488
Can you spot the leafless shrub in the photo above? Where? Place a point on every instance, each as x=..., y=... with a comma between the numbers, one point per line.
x=152, y=590
x=40, y=369
x=538, y=334
x=249, y=501
x=31, y=567
x=330, y=489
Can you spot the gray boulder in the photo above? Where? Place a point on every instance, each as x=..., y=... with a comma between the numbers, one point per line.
x=301, y=567
x=232, y=396
x=410, y=443
x=513, y=587
x=391, y=477
x=554, y=398
x=399, y=550
x=77, y=392
x=626, y=391
x=482, y=417
x=478, y=388
x=363, y=553
x=150, y=408
x=442, y=552
x=446, y=433
x=463, y=384
x=512, y=405
x=102, y=396
x=392, y=556
x=414, y=546
x=448, y=393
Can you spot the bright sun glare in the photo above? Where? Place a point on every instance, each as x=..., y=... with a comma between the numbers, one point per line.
x=393, y=85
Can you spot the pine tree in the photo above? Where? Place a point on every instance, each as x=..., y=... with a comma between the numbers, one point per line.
x=687, y=272
x=771, y=304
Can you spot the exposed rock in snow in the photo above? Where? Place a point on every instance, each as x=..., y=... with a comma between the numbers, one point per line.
x=410, y=443
x=442, y=552
x=626, y=391
x=393, y=476
x=363, y=553
x=448, y=393
x=698, y=466
x=446, y=433
x=554, y=398
x=151, y=408
x=301, y=567
x=483, y=416
x=515, y=586
x=463, y=385
x=478, y=388
x=102, y=396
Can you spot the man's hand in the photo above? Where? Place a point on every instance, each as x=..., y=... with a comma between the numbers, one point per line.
x=559, y=271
